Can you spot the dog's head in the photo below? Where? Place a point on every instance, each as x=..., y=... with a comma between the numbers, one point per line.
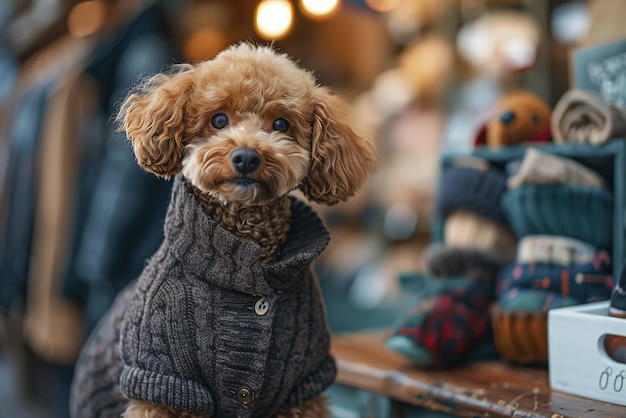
x=248, y=126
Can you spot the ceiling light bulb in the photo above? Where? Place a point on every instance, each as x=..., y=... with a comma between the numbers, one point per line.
x=274, y=19
x=319, y=8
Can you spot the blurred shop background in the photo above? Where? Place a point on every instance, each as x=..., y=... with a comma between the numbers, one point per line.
x=78, y=217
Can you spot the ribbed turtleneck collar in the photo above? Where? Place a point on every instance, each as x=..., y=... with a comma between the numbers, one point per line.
x=214, y=254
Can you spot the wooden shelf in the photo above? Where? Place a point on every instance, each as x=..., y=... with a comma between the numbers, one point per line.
x=486, y=388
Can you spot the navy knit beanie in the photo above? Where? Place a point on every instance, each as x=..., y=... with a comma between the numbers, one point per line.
x=478, y=191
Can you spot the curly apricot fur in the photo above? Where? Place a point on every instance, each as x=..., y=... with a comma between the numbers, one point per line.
x=168, y=121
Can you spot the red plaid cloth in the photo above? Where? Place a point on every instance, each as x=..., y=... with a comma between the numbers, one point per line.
x=449, y=326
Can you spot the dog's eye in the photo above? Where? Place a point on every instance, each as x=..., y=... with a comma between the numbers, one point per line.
x=219, y=121
x=280, y=125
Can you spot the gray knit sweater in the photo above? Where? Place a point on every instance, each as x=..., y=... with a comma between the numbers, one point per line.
x=206, y=328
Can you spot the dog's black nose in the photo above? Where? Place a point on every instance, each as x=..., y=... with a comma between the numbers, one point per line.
x=245, y=160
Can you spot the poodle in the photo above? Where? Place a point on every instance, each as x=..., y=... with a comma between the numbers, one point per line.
x=227, y=318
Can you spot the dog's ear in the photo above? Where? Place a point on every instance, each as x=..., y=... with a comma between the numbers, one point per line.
x=341, y=158
x=154, y=120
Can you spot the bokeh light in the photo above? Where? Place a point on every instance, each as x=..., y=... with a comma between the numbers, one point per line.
x=383, y=5
x=319, y=9
x=274, y=19
x=86, y=18
x=204, y=44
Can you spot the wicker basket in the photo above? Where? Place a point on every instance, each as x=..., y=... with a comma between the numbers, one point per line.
x=521, y=336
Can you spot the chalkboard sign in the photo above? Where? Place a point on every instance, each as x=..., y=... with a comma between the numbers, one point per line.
x=602, y=69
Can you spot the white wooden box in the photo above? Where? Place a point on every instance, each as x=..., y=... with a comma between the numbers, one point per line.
x=578, y=361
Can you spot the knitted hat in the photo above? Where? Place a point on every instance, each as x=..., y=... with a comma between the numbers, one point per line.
x=584, y=213
x=478, y=191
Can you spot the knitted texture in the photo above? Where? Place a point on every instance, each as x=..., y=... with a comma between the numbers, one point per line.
x=549, y=278
x=451, y=325
x=210, y=329
x=587, y=282
x=450, y=322
x=583, y=213
x=473, y=264
x=478, y=191
x=95, y=388
x=262, y=224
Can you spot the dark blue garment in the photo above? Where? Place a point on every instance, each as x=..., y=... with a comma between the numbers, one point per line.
x=583, y=282
x=123, y=207
x=17, y=230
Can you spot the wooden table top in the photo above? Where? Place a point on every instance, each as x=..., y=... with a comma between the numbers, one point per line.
x=484, y=388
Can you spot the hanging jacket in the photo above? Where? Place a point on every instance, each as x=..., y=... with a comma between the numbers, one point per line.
x=53, y=325
x=16, y=233
x=121, y=207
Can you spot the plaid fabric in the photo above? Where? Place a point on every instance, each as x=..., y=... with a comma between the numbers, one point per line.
x=449, y=326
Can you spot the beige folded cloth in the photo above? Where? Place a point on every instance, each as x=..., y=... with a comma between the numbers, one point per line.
x=553, y=249
x=466, y=229
x=541, y=168
x=582, y=116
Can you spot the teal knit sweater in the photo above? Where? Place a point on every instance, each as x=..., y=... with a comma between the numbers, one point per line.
x=207, y=328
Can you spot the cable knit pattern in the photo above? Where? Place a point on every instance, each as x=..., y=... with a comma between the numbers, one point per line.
x=95, y=390
x=207, y=328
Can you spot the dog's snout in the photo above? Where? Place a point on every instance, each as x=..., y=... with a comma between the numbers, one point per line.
x=245, y=160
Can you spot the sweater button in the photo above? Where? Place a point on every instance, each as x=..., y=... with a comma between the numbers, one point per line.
x=261, y=306
x=244, y=395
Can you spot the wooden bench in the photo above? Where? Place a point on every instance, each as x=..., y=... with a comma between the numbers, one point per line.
x=374, y=381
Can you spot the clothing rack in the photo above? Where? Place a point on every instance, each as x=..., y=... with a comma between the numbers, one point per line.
x=78, y=217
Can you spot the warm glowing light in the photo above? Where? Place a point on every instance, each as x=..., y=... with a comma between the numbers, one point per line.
x=204, y=44
x=319, y=8
x=86, y=18
x=274, y=19
x=383, y=5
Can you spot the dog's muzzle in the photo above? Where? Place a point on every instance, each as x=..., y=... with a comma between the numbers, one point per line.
x=245, y=160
